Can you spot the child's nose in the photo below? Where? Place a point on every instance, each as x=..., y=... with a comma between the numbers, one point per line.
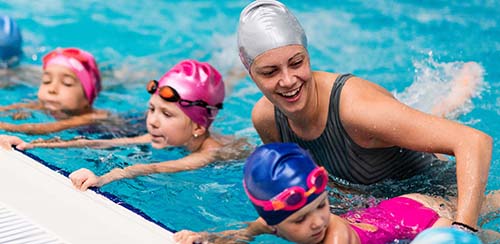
x=317, y=220
x=53, y=88
x=153, y=121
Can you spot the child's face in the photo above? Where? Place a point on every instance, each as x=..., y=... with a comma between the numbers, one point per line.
x=61, y=90
x=167, y=124
x=309, y=224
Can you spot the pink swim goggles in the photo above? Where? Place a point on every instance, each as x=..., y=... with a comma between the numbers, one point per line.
x=294, y=197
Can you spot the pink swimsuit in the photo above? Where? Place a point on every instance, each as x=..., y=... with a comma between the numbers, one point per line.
x=398, y=218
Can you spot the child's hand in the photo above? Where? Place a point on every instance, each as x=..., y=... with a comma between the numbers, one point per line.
x=83, y=179
x=6, y=142
x=189, y=237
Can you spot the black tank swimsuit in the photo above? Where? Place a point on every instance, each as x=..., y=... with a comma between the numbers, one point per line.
x=345, y=159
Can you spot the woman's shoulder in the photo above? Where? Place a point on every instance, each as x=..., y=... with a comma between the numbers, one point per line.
x=263, y=112
x=360, y=86
x=324, y=77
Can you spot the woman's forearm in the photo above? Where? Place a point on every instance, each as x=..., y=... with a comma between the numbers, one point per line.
x=473, y=163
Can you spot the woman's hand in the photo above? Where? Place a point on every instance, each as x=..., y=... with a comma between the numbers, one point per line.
x=7, y=142
x=83, y=178
x=190, y=237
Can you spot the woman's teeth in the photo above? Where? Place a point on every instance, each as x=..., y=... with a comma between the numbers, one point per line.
x=291, y=93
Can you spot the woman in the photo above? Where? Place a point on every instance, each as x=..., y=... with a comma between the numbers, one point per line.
x=354, y=128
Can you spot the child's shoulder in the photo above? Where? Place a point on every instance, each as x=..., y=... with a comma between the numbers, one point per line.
x=232, y=148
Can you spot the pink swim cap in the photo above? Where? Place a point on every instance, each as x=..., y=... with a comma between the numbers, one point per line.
x=194, y=81
x=82, y=64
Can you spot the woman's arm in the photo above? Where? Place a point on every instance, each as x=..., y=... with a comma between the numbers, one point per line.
x=380, y=121
x=264, y=122
x=84, y=178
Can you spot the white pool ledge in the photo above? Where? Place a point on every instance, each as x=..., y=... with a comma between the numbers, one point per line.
x=47, y=200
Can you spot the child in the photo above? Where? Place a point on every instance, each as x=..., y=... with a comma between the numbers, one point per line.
x=10, y=42
x=288, y=191
x=70, y=83
x=182, y=107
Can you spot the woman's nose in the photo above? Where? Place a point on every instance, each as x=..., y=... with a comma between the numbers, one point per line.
x=286, y=78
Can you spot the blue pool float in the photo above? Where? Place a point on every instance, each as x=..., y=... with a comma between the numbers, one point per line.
x=446, y=235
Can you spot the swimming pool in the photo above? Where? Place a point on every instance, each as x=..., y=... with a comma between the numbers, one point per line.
x=395, y=44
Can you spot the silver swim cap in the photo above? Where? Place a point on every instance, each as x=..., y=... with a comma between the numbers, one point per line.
x=265, y=25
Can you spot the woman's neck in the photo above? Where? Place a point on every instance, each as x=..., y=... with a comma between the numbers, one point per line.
x=309, y=122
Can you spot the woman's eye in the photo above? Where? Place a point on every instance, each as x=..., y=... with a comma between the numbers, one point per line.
x=268, y=72
x=166, y=114
x=297, y=63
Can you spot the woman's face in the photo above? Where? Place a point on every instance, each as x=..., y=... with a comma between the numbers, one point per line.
x=167, y=124
x=309, y=224
x=62, y=91
x=284, y=76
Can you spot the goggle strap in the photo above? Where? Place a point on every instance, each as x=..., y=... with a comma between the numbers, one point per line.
x=310, y=191
x=277, y=205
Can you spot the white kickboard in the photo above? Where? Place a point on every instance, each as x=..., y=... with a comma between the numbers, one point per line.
x=38, y=203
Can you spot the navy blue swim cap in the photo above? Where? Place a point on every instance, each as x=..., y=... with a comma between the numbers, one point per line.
x=10, y=42
x=273, y=168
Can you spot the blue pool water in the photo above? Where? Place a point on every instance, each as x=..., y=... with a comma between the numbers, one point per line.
x=395, y=44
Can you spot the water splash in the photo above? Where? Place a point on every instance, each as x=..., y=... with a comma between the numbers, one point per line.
x=444, y=88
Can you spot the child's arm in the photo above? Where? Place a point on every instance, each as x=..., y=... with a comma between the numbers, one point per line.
x=99, y=143
x=244, y=235
x=30, y=105
x=7, y=142
x=45, y=128
x=84, y=178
